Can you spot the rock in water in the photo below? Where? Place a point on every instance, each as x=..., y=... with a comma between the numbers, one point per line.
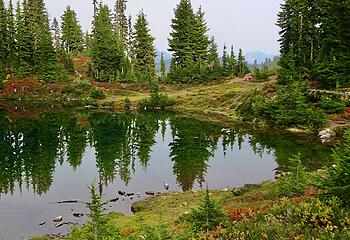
x=122, y=193
x=64, y=223
x=58, y=219
x=114, y=200
x=78, y=215
x=150, y=193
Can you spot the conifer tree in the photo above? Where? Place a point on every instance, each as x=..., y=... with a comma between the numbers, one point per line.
x=172, y=65
x=131, y=47
x=162, y=66
x=333, y=63
x=121, y=21
x=3, y=40
x=232, y=63
x=23, y=43
x=88, y=42
x=181, y=43
x=107, y=51
x=72, y=36
x=225, y=62
x=56, y=35
x=44, y=55
x=189, y=43
x=144, y=49
x=11, y=32
x=213, y=60
x=95, y=6
x=299, y=21
x=241, y=64
x=201, y=40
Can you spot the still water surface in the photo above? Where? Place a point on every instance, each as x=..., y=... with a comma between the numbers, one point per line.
x=50, y=157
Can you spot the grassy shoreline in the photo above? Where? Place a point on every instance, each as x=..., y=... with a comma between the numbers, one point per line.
x=258, y=208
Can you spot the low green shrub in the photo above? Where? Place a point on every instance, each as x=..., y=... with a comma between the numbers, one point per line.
x=68, y=89
x=207, y=218
x=127, y=103
x=77, y=88
x=97, y=94
x=337, y=180
x=157, y=100
x=161, y=101
x=82, y=84
x=262, y=74
x=160, y=232
x=332, y=106
x=295, y=218
x=289, y=108
x=254, y=108
x=319, y=215
x=295, y=183
x=68, y=63
x=98, y=227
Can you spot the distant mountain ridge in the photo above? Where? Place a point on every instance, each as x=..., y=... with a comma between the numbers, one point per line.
x=259, y=56
x=250, y=57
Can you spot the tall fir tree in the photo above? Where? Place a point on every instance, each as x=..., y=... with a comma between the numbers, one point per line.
x=95, y=6
x=225, y=62
x=299, y=21
x=11, y=32
x=3, y=40
x=121, y=21
x=24, y=62
x=144, y=49
x=213, y=60
x=232, y=63
x=162, y=66
x=181, y=43
x=107, y=49
x=189, y=44
x=242, y=66
x=56, y=35
x=72, y=36
x=44, y=55
x=130, y=43
x=88, y=42
x=201, y=40
x=333, y=61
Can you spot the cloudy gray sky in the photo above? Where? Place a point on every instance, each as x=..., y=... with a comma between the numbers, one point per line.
x=248, y=24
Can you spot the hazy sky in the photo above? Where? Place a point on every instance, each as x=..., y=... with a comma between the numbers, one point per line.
x=248, y=24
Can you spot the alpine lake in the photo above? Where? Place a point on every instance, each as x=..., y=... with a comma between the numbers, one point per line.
x=51, y=155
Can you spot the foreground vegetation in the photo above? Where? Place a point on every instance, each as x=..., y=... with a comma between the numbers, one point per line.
x=298, y=205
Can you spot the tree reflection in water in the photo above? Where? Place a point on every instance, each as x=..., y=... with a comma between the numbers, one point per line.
x=31, y=148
